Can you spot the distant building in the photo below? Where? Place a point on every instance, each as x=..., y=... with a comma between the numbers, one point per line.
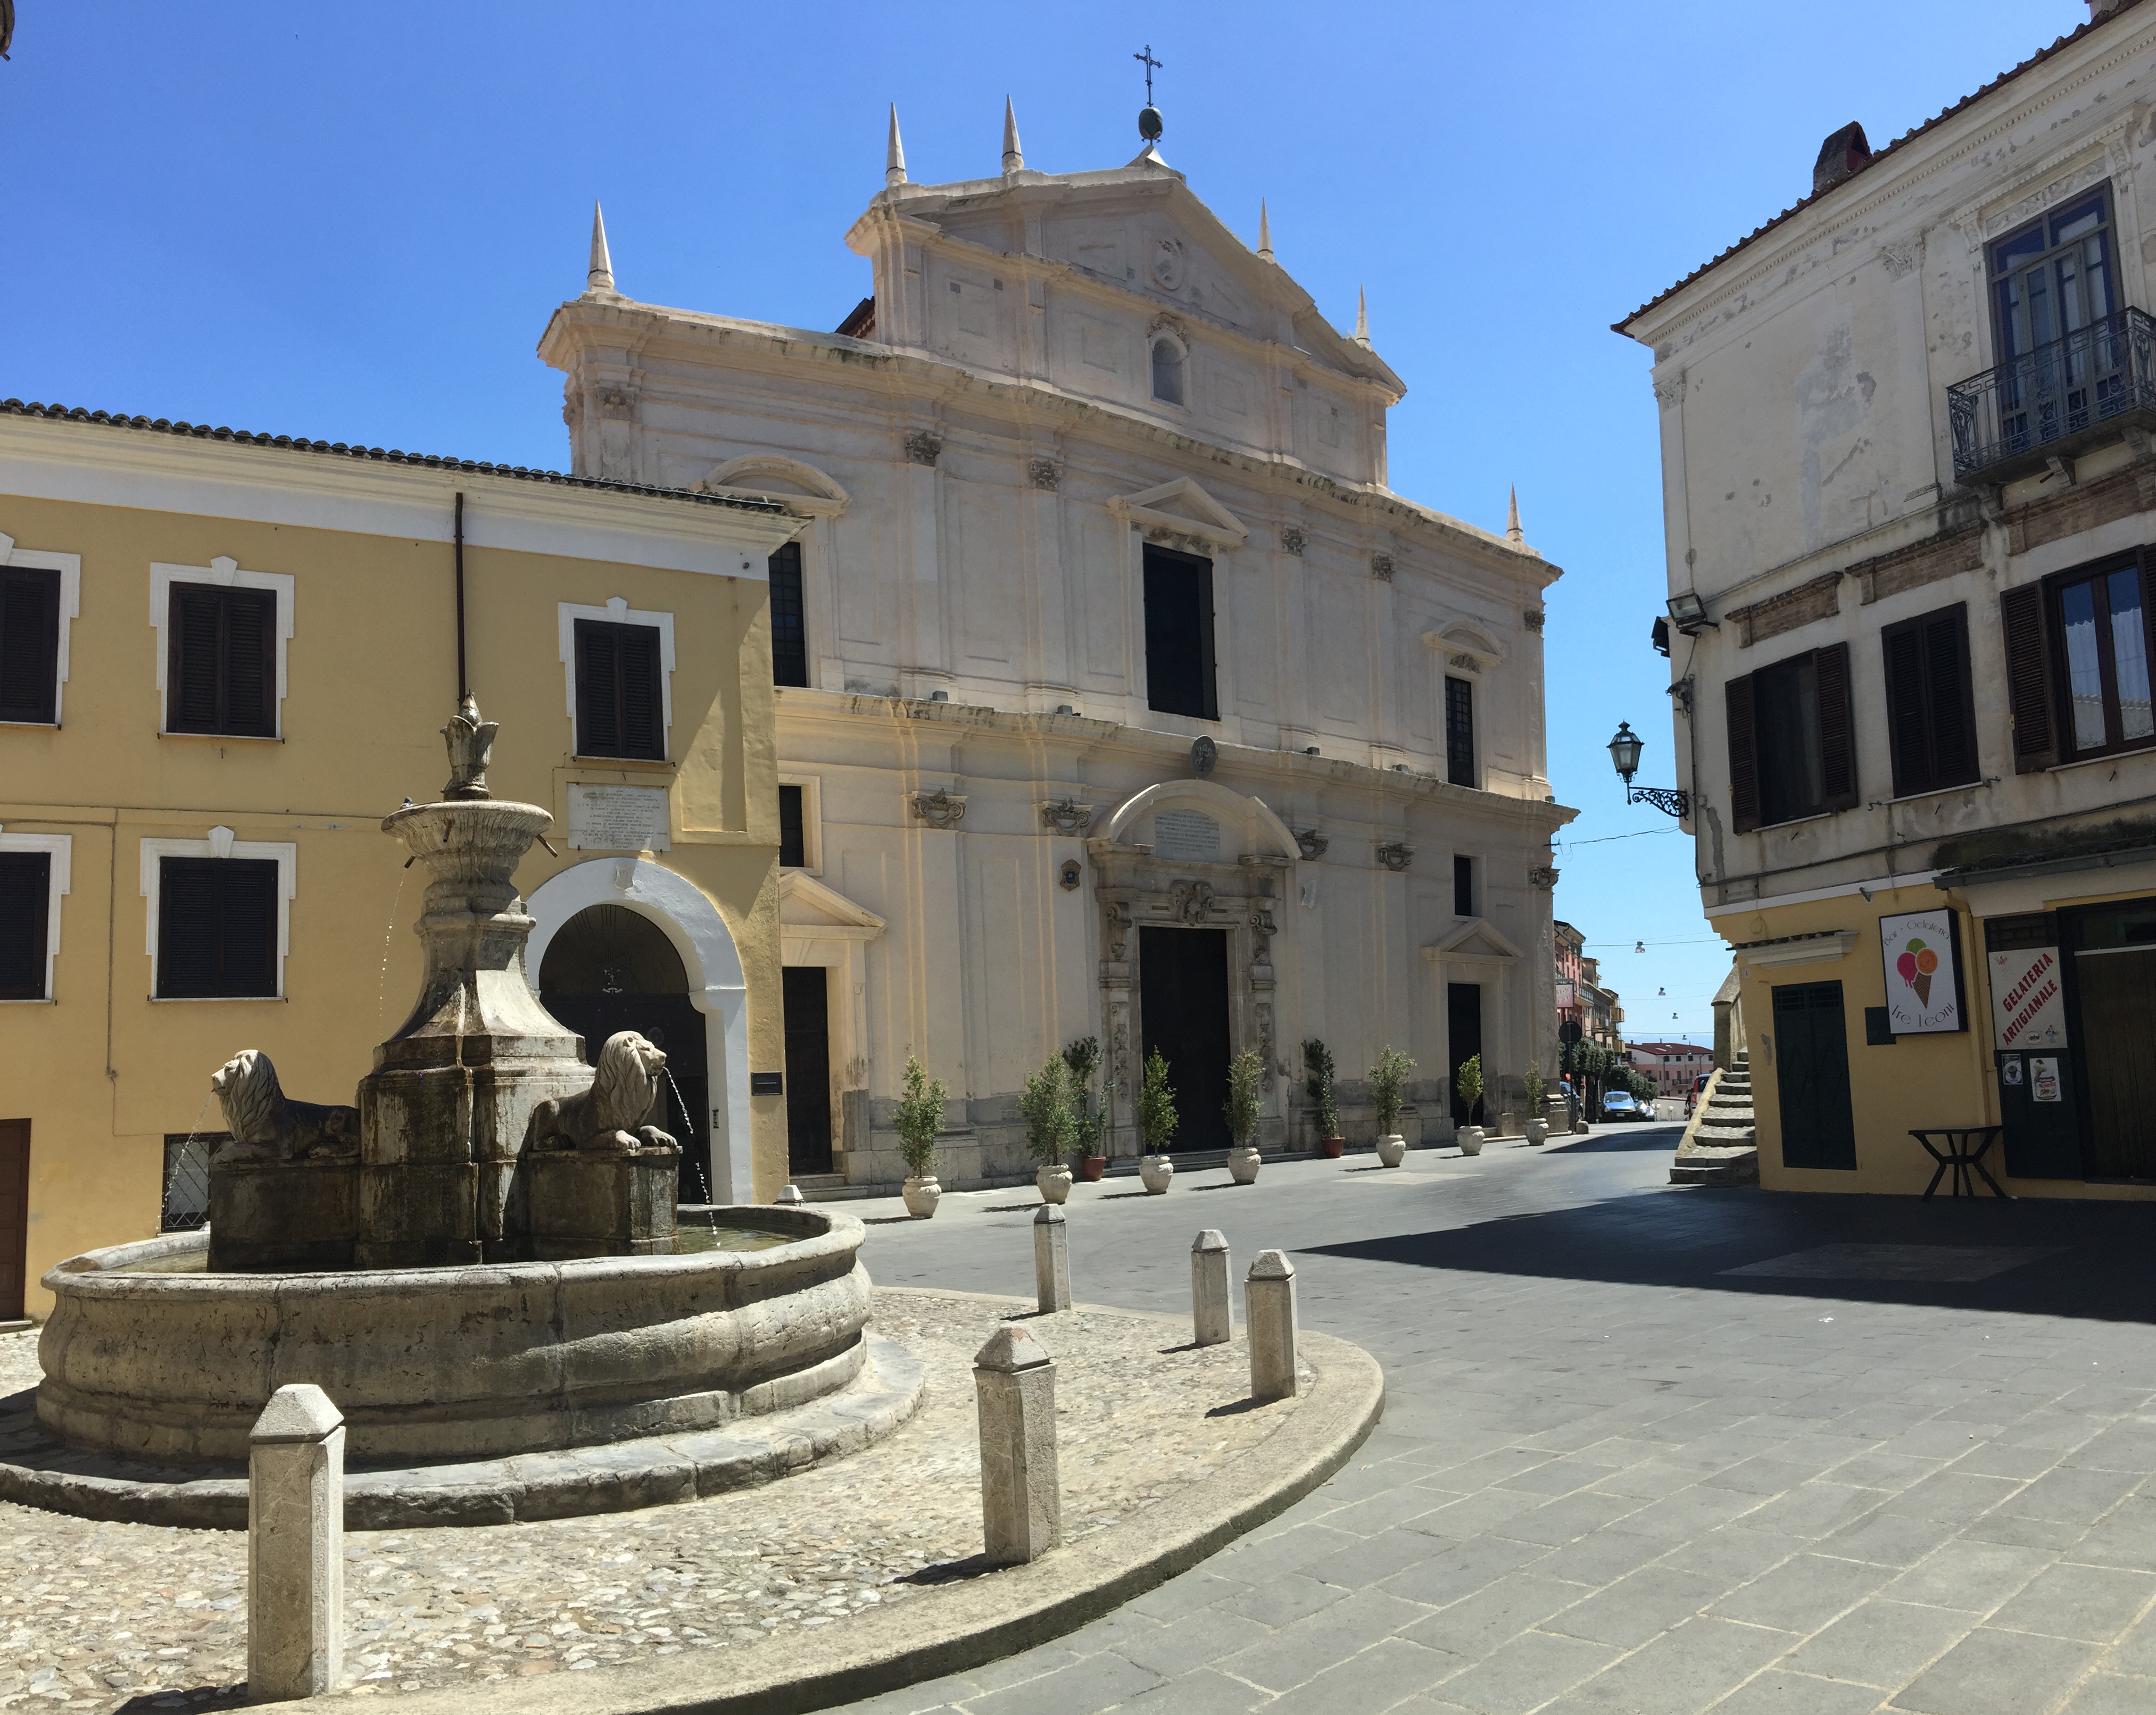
x=1673, y=1066
x=1570, y=944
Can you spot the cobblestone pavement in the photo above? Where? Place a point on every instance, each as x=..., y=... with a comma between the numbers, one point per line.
x=1906, y=1464
x=93, y=1615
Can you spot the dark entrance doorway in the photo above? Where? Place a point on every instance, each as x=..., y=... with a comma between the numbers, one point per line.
x=2111, y=993
x=1183, y=1002
x=14, y=1215
x=1811, y=1055
x=808, y=1069
x=1463, y=1035
x=611, y=969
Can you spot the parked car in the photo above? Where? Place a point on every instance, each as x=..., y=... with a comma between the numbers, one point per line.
x=1698, y=1089
x=1617, y=1105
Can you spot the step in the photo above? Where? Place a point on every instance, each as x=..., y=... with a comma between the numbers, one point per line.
x=1715, y=1167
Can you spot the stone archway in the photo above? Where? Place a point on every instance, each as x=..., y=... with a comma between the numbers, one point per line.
x=716, y=985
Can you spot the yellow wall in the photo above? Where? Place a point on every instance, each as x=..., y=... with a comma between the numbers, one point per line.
x=1921, y=1081
x=104, y=1072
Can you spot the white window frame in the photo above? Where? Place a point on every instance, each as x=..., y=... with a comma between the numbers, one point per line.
x=812, y=820
x=223, y=570
x=69, y=567
x=60, y=848
x=221, y=844
x=618, y=611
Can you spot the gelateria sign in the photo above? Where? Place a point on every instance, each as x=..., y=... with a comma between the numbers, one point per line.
x=1922, y=952
x=2028, y=1007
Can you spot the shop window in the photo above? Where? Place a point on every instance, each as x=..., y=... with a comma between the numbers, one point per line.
x=1459, y=732
x=789, y=619
x=29, y=644
x=1931, y=718
x=1180, y=667
x=617, y=691
x=1792, y=745
x=2077, y=664
x=218, y=927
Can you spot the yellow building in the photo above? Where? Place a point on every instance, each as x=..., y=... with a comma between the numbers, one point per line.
x=224, y=658
x=1910, y=501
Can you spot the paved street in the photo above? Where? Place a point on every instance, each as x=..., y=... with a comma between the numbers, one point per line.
x=1624, y=1466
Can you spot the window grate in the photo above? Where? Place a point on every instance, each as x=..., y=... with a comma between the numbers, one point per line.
x=187, y=1179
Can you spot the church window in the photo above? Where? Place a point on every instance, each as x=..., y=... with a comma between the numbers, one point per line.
x=617, y=691
x=789, y=619
x=1178, y=634
x=29, y=644
x=1460, y=731
x=1463, y=886
x=792, y=829
x=1167, y=369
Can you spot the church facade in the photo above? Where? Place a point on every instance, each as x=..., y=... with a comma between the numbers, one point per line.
x=1118, y=695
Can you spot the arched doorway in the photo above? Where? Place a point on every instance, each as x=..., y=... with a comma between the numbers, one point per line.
x=611, y=969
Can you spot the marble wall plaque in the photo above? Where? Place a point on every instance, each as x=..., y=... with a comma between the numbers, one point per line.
x=618, y=818
x=1187, y=836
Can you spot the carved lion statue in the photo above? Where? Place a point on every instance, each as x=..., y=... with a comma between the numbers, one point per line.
x=266, y=1127
x=608, y=1118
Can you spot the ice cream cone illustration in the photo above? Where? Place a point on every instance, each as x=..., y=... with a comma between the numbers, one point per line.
x=1922, y=985
x=1915, y=967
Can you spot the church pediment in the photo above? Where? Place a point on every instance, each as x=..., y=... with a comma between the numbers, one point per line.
x=799, y=487
x=1476, y=939
x=1180, y=508
x=808, y=908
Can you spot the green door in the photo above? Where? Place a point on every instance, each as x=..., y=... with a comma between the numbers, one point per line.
x=1811, y=1057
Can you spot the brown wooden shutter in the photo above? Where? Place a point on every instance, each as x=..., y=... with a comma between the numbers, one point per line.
x=1837, y=729
x=2029, y=704
x=250, y=662
x=1744, y=757
x=1907, y=740
x=187, y=927
x=191, y=676
x=1951, y=703
x=216, y=927
x=29, y=642
x=643, y=726
x=25, y=896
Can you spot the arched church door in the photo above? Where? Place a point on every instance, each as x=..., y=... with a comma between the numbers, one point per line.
x=611, y=969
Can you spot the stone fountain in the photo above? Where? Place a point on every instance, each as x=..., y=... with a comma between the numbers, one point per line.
x=477, y=1260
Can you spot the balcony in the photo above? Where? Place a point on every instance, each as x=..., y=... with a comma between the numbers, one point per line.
x=2056, y=400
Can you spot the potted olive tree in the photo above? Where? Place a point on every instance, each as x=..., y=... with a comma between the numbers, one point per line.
x=1467, y=1085
x=1388, y=1080
x=1318, y=1083
x=1157, y=1123
x=1246, y=1082
x=1050, y=1128
x=1089, y=1124
x=1537, y=1125
x=919, y=1116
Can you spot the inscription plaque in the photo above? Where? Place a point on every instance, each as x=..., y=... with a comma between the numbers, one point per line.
x=618, y=818
x=1186, y=836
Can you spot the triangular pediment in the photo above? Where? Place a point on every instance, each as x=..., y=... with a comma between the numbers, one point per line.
x=807, y=906
x=1184, y=508
x=1476, y=938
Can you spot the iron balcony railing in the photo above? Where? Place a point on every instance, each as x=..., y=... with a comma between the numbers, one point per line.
x=2045, y=403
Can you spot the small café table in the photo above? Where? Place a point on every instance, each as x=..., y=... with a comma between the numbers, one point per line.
x=1964, y=1151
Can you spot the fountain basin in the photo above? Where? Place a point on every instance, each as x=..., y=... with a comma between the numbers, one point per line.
x=149, y=1356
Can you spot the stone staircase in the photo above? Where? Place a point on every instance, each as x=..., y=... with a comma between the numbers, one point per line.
x=1721, y=1144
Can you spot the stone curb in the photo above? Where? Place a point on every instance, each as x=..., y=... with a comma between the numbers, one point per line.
x=998, y=1613
x=616, y=1477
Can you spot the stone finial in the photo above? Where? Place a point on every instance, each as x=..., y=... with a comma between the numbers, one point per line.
x=1362, y=318
x=1264, y=233
x=1010, y=1349
x=1051, y=1258
x=1013, y=156
x=471, y=746
x=1513, y=531
x=600, y=278
x=894, y=155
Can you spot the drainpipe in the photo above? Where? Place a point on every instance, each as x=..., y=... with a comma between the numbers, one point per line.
x=463, y=682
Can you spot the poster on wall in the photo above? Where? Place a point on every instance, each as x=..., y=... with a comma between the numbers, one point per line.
x=2028, y=1007
x=1922, y=950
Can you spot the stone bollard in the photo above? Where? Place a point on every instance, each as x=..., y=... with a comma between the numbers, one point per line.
x=1051, y=1257
x=790, y=1197
x=1269, y=1311
x=1212, y=1310
x=295, y=1547
x=1021, y=1496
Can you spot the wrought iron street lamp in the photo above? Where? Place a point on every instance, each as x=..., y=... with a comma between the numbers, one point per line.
x=1625, y=752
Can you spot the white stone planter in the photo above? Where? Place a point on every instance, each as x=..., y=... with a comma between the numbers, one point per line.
x=1243, y=1163
x=1392, y=1151
x=1470, y=1139
x=1055, y=1183
x=1154, y=1173
x=921, y=1195
x=1538, y=1131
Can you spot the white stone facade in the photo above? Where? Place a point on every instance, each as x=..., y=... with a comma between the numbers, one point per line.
x=993, y=810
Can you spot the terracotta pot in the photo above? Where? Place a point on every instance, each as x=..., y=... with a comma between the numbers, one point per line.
x=1470, y=1139
x=1055, y=1183
x=921, y=1195
x=1154, y=1173
x=1538, y=1131
x=1330, y=1148
x=1091, y=1168
x=1392, y=1149
x=1243, y=1163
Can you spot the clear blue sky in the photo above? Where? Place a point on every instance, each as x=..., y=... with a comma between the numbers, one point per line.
x=351, y=223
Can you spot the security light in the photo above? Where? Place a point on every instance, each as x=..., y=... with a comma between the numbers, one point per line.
x=1689, y=614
